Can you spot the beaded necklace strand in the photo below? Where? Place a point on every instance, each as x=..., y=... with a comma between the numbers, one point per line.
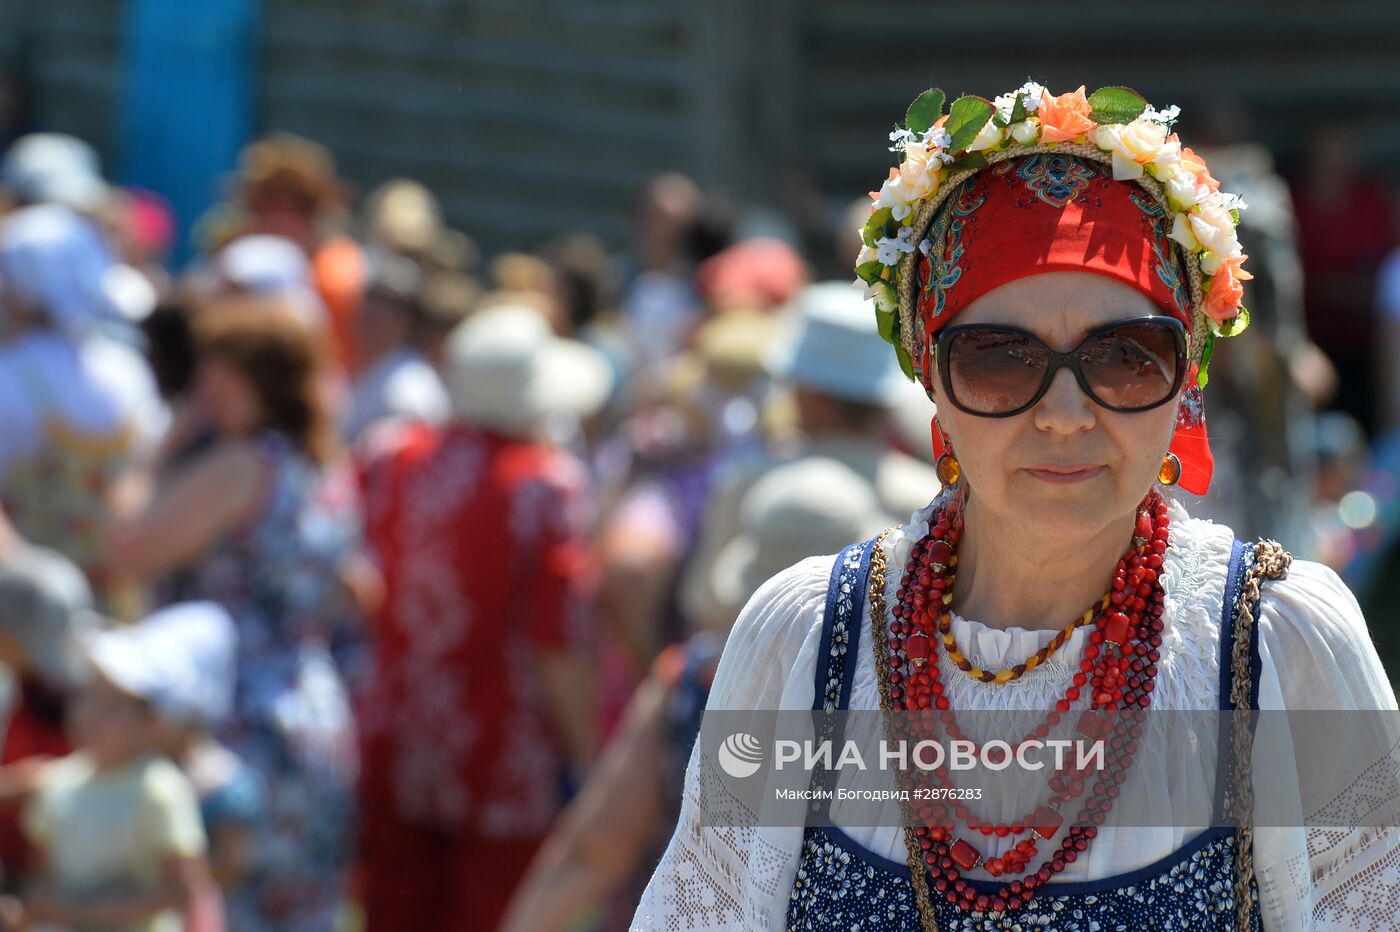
x=1118, y=667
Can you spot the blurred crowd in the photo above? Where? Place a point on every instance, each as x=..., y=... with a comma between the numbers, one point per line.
x=350, y=580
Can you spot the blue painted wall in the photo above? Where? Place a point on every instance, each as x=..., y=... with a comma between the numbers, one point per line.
x=186, y=99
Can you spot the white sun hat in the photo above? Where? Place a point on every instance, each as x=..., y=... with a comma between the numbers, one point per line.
x=506, y=370
x=56, y=260
x=263, y=264
x=836, y=346
x=810, y=506
x=181, y=659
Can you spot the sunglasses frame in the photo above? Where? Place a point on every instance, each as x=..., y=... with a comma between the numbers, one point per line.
x=1066, y=360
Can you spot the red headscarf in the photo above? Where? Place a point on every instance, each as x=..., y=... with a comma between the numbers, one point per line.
x=1050, y=212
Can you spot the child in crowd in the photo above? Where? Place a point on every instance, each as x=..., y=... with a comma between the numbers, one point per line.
x=116, y=823
x=196, y=644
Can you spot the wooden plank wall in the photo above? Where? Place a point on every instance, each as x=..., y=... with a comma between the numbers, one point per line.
x=531, y=118
x=1289, y=64
x=520, y=116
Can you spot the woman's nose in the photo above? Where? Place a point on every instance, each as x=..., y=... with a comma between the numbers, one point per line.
x=1064, y=409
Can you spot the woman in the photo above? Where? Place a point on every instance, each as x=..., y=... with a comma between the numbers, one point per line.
x=479, y=710
x=1078, y=234
x=257, y=523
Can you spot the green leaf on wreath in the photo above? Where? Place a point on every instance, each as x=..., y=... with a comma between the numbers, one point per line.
x=869, y=272
x=966, y=118
x=1202, y=376
x=906, y=365
x=1115, y=105
x=877, y=226
x=924, y=111
x=1018, y=112
x=887, y=323
x=1235, y=325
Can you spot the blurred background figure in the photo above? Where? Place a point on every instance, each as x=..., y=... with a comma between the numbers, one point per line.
x=1346, y=226
x=77, y=403
x=1261, y=404
x=262, y=521
x=274, y=269
x=654, y=481
x=192, y=648
x=448, y=297
x=288, y=187
x=116, y=823
x=395, y=379
x=45, y=610
x=843, y=386
x=759, y=274
x=600, y=854
x=480, y=712
x=659, y=300
x=54, y=168
x=403, y=218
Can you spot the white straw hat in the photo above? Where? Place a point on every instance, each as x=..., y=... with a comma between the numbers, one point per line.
x=813, y=505
x=838, y=348
x=507, y=370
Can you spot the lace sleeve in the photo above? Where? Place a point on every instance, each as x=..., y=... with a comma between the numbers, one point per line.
x=731, y=873
x=1356, y=876
x=1317, y=654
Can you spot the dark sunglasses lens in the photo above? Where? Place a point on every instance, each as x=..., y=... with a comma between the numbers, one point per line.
x=1133, y=366
x=994, y=371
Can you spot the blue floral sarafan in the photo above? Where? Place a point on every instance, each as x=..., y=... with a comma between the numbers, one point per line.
x=276, y=574
x=842, y=885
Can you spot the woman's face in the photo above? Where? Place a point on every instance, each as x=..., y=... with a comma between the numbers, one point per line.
x=228, y=398
x=1066, y=463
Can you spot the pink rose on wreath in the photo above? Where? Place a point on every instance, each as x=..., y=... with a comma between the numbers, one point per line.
x=1226, y=292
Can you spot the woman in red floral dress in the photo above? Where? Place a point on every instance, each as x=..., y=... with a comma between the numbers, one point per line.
x=478, y=714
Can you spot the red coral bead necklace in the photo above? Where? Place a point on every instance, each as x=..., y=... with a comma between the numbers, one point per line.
x=1118, y=671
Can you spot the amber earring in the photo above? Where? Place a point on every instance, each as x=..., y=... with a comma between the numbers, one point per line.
x=1170, y=470
x=947, y=466
x=949, y=469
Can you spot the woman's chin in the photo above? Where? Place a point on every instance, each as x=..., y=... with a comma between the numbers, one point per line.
x=1066, y=504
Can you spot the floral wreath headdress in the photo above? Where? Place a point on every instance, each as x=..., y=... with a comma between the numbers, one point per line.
x=1114, y=126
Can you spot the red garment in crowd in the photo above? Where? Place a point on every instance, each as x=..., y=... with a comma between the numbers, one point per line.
x=36, y=729
x=481, y=541
x=1342, y=243
x=421, y=879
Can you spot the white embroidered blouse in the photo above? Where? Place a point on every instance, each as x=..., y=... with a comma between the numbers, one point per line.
x=1315, y=651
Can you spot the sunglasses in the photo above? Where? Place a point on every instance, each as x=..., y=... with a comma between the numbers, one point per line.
x=1129, y=365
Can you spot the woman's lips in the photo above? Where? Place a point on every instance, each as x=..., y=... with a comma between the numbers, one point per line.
x=1065, y=474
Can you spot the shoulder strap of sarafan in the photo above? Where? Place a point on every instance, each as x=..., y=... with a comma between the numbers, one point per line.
x=845, y=601
x=836, y=657
x=1270, y=562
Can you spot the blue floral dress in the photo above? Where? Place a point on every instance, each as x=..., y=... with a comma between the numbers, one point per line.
x=291, y=723
x=841, y=885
